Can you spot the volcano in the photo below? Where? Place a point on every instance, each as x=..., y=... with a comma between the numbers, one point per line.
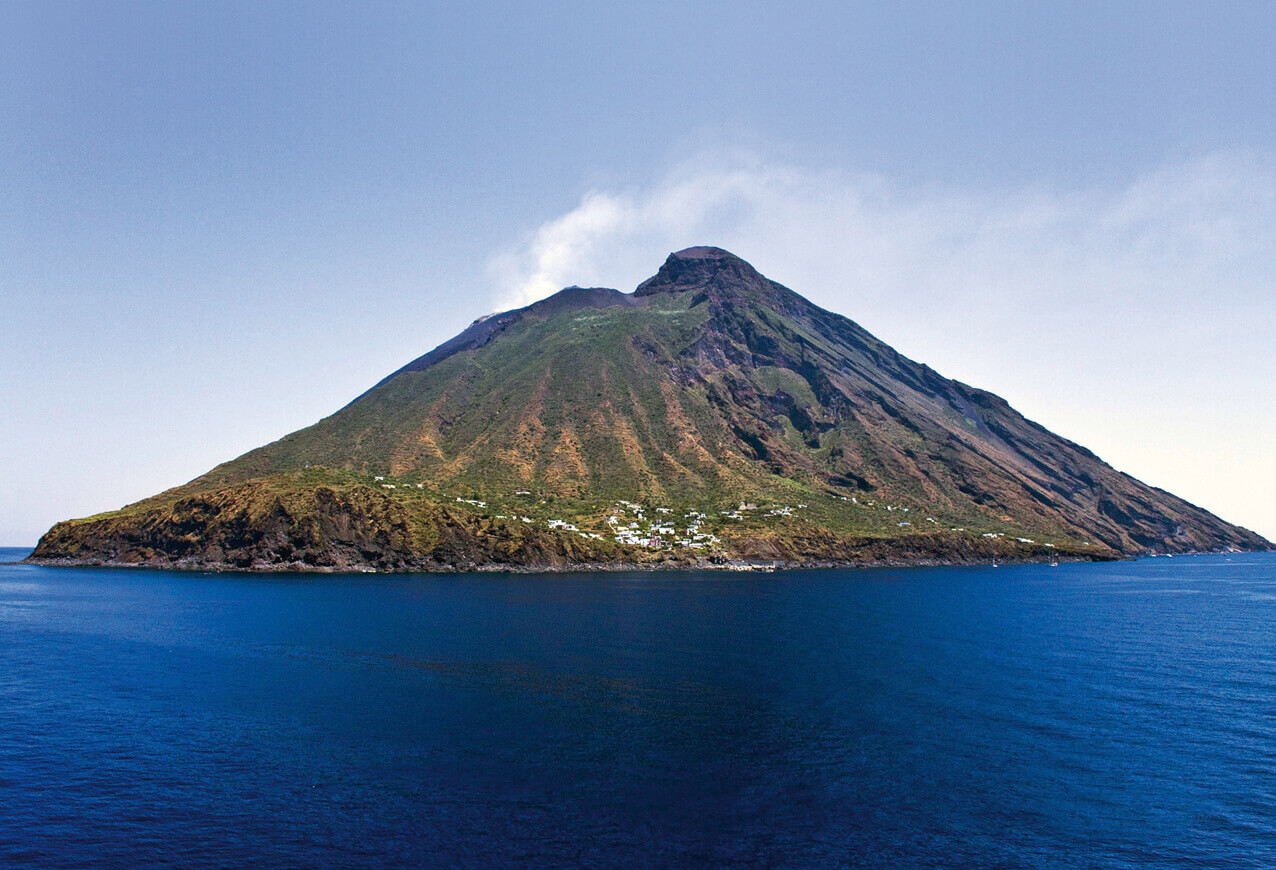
x=712, y=417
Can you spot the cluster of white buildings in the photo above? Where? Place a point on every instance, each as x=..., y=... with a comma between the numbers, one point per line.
x=629, y=524
x=694, y=538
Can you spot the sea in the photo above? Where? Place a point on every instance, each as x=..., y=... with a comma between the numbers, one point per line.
x=1118, y=715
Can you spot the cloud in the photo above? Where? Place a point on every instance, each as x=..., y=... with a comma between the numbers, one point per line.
x=563, y=247
x=1135, y=317
x=835, y=233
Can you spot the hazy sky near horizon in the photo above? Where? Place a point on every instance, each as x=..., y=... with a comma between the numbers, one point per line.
x=225, y=220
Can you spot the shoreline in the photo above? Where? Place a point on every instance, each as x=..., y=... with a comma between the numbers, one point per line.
x=610, y=567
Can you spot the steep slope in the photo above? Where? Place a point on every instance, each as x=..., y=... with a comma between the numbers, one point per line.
x=709, y=389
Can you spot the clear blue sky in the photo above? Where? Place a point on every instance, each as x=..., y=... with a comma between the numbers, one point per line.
x=224, y=220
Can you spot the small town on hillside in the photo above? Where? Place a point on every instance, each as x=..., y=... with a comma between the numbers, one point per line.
x=637, y=525
x=662, y=528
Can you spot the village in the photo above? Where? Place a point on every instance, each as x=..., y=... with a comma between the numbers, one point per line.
x=636, y=525
x=630, y=525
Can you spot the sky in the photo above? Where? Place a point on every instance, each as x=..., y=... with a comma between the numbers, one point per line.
x=225, y=220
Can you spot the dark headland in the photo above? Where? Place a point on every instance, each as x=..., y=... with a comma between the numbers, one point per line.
x=712, y=418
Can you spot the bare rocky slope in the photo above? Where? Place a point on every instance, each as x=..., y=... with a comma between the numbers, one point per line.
x=712, y=417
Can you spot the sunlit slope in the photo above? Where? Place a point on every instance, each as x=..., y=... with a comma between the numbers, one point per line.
x=569, y=402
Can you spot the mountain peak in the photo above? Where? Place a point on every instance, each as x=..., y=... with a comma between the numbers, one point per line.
x=703, y=252
x=698, y=268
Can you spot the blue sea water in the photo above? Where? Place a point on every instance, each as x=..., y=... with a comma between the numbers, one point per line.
x=1118, y=715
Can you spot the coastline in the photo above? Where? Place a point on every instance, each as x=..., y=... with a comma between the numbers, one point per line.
x=726, y=567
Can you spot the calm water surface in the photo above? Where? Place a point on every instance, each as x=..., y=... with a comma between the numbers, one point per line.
x=1081, y=716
